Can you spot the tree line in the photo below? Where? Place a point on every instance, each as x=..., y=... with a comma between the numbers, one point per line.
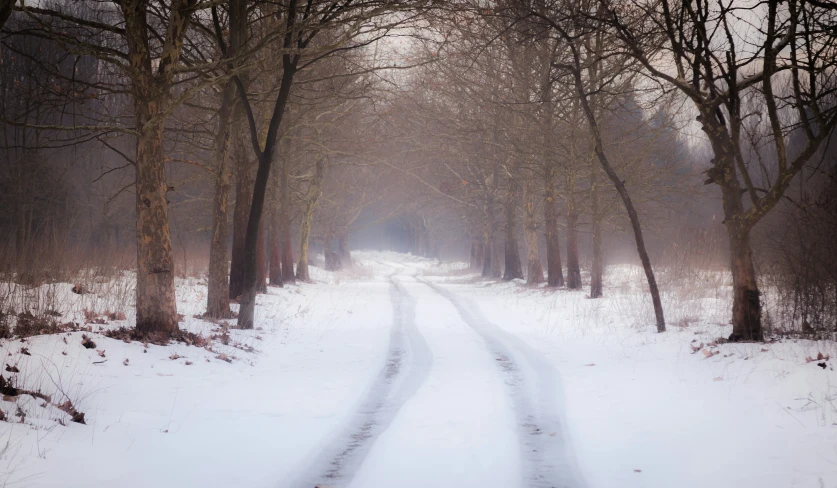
x=546, y=118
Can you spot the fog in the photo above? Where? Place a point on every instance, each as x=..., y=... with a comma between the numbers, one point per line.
x=209, y=159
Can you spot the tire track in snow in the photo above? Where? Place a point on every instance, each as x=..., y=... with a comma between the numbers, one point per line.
x=407, y=365
x=547, y=457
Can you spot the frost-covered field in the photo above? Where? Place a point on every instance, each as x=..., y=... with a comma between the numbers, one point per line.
x=401, y=372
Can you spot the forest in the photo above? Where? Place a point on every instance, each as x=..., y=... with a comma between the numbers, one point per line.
x=488, y=243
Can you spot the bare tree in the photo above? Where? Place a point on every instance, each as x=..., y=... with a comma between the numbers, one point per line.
x=781, y=72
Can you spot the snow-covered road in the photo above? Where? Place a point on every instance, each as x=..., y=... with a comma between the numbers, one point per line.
x=403, y=373
x=458, y=402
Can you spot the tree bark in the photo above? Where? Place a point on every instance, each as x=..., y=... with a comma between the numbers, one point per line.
x=555, y=276
x=156, y=306
x=534, y=268
x=218, y=291
x=261, y=262
x=285, y=220
x=311, y=198
x=247, y=309
x=597, y=267
x=513, y=269
x=746, y=297
x=488, y=240
x=243, y=198
x=151, y=89
x=343, y=248
x=274, y=244
x=573, y=268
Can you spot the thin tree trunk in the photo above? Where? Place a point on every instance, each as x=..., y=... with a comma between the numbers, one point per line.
x=623, y=193
x=534, y=269
x=555, y=276
x=573, y=269
x=247, y=309
x=285, y=221
x=513, y=269
x=597, y=267
x=311, y=198
x=343, y=248
x=302, y=273
x=274, y=246
x=488, y=240
x=218, y=291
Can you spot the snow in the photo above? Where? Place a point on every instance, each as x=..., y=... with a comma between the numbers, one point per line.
x=404, y=372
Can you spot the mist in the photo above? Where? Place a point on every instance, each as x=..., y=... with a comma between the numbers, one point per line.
x=418, y=243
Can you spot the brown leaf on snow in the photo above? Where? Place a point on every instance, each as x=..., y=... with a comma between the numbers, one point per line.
x=125, y=362
x=12, y=369
x=591, y=364
x=87, y=342
x=175, y=356
x=809, y=359
x=189, y=363
x=637, y=471
x=708, y=353
x=718, y=378
x=223, y=357
x=101, y=352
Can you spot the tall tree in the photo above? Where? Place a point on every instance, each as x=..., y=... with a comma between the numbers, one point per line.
x=779, y=71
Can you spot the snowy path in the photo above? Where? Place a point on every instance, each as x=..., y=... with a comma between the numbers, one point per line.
x=531, y=383
x=407, y=364
x=454, y=405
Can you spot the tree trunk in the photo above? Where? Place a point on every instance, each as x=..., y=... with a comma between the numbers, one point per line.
x=343, y=248
x=261, y=262
x=332, y=259
x=311, y=198
x=597, y=267
x=247, y=310
x=274, y=244
x=598, y=148
x=151, y=90
x=156, y=306
x=488, y=240
x=555, y=276
x=304, y=237
x=746, y=303
x=218, y=291
x=477, y=253
x=534, y=269
x=241, y=211
x=285, y=220
x=513, y=269
x=573, y=269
